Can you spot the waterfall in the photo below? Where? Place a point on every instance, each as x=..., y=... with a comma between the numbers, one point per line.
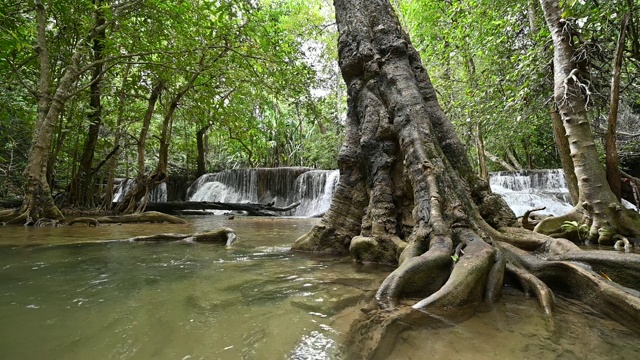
x=159, y=194
x=125, y=186
x=528, y=189
x=314, y=189
x=280, y=186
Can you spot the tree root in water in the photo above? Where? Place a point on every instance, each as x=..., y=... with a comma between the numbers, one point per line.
x=220, y=235
x=85, y=220
x=532, y=284
x=610, y=228
x=145, y=217
x=526, y=221
x=608, y=281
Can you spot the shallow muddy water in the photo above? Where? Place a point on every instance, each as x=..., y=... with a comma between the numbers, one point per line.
x=63, y=298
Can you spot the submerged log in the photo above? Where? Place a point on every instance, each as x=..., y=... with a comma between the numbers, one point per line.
x=251, y=208
x=220, y=235
x=145, y=217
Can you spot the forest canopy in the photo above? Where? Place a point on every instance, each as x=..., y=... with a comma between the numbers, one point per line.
x=268, y=91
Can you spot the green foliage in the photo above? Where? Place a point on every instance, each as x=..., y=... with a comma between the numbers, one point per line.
x=266, y=91
x=491, y=64
x=574, y=226
x=489, y=68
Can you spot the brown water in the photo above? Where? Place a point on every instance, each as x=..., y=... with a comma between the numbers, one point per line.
x=121, y=300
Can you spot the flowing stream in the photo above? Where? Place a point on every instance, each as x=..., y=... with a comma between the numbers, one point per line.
x=122, y=300
x=63, y=298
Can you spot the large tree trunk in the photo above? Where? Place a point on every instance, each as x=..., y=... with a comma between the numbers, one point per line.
x=562, y=145
x=38, y=202
x=408, y=196
x=598, y=207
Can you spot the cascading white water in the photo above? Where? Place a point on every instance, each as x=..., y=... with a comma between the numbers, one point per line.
x=159, y=194
x=125, y=186
x=528, y=189
x=280, y=186
x=314, y=190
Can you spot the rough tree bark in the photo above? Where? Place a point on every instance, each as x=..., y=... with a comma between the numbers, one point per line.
x=408, y=196
x=562, y=145
x=598, y=207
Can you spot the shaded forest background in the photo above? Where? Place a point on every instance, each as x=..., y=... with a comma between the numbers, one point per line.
x=256, y=84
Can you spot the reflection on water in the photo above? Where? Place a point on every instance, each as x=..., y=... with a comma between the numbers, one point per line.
x=121, y=300
x=516, y=329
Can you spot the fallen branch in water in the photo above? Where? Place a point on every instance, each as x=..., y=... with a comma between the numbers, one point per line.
x=148, y=216
x=251, y=209
x=220, y=235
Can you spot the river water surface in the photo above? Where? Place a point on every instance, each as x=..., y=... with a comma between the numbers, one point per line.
x=64, y=298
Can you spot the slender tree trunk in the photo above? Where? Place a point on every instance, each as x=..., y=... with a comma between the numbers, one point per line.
x=598, y=208
x=531, y=15
x=128, y=204
x=200, y=140
x=113, y=162
x=144, y=183
x=611, y=150
x=498, y=160
x=82, y=188
x=483, y=172
x=527, y=152
x=59, y=140
x=512, y=157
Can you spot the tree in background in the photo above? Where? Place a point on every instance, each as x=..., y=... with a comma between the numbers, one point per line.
x=598, y=209
x=256, y=100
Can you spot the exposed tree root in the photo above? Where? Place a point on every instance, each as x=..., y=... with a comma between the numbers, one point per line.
x=85, y=220
x=380, y=250
x=145, y=217
x=621, y=268
x=580, y=281
x=222, y=235
x=526, y=221
x=607, y=281
x=15, y=217
x=10, y=217
x=532, y=284
x=425, y=273
x=373, y=335
x=464, y=290
x=405, y=177
x=584, y=224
